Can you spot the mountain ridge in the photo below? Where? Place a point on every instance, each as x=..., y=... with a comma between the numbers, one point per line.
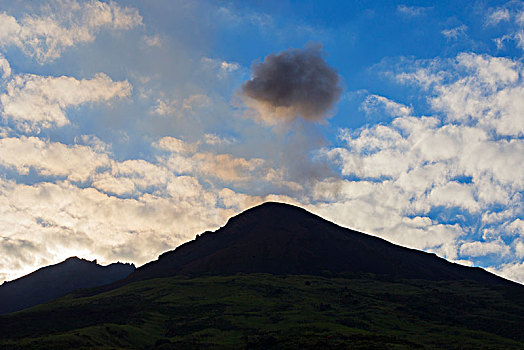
x=53, y=281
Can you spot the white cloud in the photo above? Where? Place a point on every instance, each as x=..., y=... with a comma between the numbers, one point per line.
x=42, y=101
x=164, y=107
x=5, y=67
x=456, y=32
x=62, y=24
x=412, y=11
x=486, y=90
x=377, y=104
x=475, y=249
x=511, y=271
x=53, y=221
x=513, y=15
x=455, y=194
x=519, y=249
x=76, y=163
x=495, y=16
x=222, y=68
x=172, y=144
x=440, y=166
x=491, y=94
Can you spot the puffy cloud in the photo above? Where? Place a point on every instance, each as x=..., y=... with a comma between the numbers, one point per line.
x=41, y=101
x=53, y=159
x=478, y=248
x=164, y=107
x=491, y=94
x=511, y=271
x=419, y=176
x=62, y=24
x=172, y=144
x=292, y=83
x=52, y=221
x=377, y=104
x=5, y=67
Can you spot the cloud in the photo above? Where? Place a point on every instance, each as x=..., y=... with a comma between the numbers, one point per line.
x=452, y=170
x=52, y=159
x=486, y=90
x=39, y=101
x=511, y=271
x=222, y=68
x=215, y=140
x=62, y=24
x=412, y=11
x=48, y=222
x=179, y=109
x=379, y=104
x=456, y=32
x=174, y=145
x=293, y=83
x=495, y=16
x=474, y=249
x=513, y=14
x=5, y=67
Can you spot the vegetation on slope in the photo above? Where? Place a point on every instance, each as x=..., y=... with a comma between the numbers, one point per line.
x=265, y=311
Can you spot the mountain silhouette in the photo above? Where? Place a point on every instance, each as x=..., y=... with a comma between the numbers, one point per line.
x=279, y=238
x=54, y=281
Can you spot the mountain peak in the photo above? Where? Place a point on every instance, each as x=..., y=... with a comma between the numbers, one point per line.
x=280, y=238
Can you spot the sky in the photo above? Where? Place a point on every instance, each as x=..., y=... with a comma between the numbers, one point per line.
x=129, y=127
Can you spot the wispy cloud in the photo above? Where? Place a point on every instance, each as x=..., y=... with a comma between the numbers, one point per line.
x=455, y=32
x=412, y=11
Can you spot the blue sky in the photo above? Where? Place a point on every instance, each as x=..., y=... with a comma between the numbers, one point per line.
x=125, y=130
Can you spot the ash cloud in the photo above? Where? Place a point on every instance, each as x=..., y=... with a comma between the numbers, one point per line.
x=293, y=83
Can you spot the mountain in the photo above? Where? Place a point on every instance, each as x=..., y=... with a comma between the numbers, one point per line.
x=278, y=238
x=279, y=277
x=54, y=281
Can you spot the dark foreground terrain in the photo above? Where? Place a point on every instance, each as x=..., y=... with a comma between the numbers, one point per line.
x=267, y=311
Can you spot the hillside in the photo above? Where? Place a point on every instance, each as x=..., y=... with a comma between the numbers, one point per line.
x=261, y=311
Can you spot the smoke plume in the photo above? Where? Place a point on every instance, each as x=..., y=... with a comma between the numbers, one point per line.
x=293, y=83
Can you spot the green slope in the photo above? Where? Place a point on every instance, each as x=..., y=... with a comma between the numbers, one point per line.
x=266, y=311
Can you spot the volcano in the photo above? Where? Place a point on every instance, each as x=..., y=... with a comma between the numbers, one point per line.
x=279, y=238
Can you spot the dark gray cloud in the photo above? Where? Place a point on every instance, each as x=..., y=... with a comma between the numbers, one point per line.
x=295, y=82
